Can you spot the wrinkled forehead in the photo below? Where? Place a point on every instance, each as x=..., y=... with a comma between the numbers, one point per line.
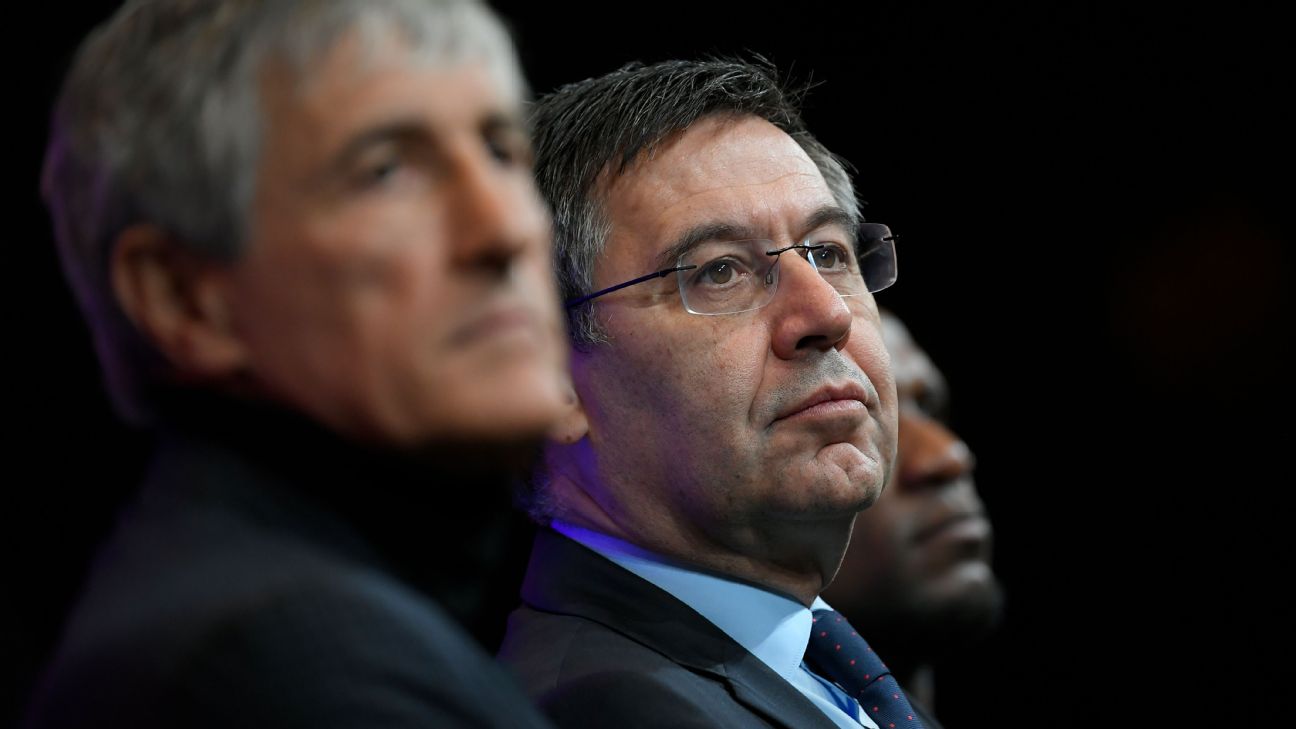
x=723, y=153
x=722, y=178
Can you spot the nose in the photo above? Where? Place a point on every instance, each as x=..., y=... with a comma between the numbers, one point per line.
x=809, y=315
x=496, y=214
x=929, y=453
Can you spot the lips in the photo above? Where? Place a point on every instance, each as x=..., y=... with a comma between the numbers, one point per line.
x=497, y=321
x=827, y=400
x=969, y=526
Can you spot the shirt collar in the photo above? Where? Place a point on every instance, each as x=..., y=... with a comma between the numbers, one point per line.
x=772, y=627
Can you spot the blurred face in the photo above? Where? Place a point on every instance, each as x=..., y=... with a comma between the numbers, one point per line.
x=737, y=434
x=921, y=555
x=396, y=283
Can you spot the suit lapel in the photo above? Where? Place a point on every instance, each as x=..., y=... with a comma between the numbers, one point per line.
x=567, y=578
x=756, y=686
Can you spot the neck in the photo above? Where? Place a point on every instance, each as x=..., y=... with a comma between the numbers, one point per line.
x=795, y=558
x=438, y=517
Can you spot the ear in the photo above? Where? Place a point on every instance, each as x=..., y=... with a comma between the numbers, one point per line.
x=178, y=300
x=572, y=425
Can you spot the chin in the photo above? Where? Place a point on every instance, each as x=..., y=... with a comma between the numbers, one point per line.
x=831, y=502
x=967, y=592
x=858, y=494
x=528, y=409
x=502, y=420
x=826, y=491
x=972, y=580
x=510, y=401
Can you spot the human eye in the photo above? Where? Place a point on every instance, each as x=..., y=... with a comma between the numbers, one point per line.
x=832, y=256
x=719, y=273
x=508, y=145
x=382, y=172
x=717, y=284
x=723, y=266
x=934, y=406
x=380, y=167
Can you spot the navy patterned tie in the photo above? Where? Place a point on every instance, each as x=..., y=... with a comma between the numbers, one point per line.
x=837, y=652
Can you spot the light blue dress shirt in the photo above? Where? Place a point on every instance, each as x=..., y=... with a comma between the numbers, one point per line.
x=774, y=628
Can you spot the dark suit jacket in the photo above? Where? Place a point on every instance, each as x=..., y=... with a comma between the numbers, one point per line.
x=271, y=576
x=598, y=646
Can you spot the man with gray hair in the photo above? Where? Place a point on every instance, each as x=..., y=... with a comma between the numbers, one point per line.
x=733, y=411
x=307, y=240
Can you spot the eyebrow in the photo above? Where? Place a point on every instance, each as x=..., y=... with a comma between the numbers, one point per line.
x=832, y=215
x=723, y=230
x=699, y=234
x=400, y=130
x=412, y=129
x=501, y=121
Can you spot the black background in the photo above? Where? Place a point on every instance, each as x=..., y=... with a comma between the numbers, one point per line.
x=1094, y=206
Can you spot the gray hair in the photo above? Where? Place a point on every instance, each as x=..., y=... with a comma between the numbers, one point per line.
x=599, y=126
x=159, y=121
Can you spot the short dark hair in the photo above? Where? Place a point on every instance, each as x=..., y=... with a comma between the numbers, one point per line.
x=598, y=127
x=601, y=125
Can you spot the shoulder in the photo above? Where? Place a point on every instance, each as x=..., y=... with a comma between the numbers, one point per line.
x=583, y=673
x=353, y=652
x=310, y=640
x=632, y=699
x=547, y=650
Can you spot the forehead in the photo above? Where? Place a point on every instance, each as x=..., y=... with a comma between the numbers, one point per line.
x=910, y=364
x=377, y=44
x=743, y=171
x=358, y=78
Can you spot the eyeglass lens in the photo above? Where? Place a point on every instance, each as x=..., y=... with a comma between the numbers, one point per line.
x=727, y=277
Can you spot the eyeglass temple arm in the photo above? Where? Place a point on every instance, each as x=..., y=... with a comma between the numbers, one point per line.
x=572, y=303
x=891, y=238
x=812, y=247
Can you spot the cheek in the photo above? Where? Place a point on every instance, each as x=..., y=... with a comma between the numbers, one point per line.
x=680, y=388
x=333, y=301
x=372, y=306
x=297, y=295
x=530, y=213
x=869, y=352
x=720, y=368
x=865, y=348
x=404, y=286
x=388, y=259
x=535, y=285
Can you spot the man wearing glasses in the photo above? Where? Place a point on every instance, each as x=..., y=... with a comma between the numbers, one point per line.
x=734, y=409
